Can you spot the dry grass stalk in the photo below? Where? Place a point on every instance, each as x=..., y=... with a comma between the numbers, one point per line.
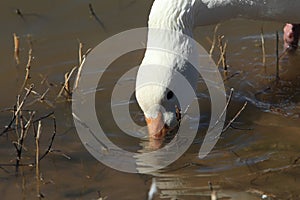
x=37, y=163
x=28, y=66
x=224, y=112
x=263, y=48
x=68, y=75
x=222, y=52
x=81, y=62
x=214, y=40
x=80, y=53
x=24, y=130
x=235, y=117
x=17, y=48
x=41, y=98
x=67, y=85
x=226, y=107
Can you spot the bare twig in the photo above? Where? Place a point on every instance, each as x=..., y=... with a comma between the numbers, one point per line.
x=17, y=48
x=51, y=142
x=41, y=98
x=263, y=48
x=66, y=81
x=79, y=74
x=222, y=52
x=82, y=60
x=18, y=12
x=214, y=40
x=28, y=66
x=37, y=164
x=18, y=110
x=235, y=117
x=43, y=117
x=96, y=17
x=19, y=145
x=80, y=53
x=225, y=108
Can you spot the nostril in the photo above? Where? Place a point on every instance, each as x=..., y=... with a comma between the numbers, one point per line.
x=170, y=95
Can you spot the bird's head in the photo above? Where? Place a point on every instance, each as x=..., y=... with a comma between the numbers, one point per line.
x=161, y=109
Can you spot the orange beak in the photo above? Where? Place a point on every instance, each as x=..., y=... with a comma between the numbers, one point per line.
x=156, y=127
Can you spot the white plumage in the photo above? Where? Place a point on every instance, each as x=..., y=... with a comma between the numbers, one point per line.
x=183, y=16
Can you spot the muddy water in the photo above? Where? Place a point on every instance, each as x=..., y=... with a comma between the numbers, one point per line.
x=252, y=160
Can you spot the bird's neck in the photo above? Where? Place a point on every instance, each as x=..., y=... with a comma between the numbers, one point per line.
x=173, y=15
x=183, y=15
x=170, y=21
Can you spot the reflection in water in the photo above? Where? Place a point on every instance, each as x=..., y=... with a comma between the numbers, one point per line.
x=245, y=164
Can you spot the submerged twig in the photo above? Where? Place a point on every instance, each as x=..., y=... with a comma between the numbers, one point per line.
x=96, y=17
x=273, y=170
x=18, y=12
x=43, y=117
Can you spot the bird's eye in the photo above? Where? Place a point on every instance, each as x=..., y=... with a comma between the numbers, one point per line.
x=170, y=95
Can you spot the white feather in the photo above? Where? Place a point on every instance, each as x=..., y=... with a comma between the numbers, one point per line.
x=183, y=16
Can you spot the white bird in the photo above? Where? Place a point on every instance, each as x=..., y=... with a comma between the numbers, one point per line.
x=157, y=101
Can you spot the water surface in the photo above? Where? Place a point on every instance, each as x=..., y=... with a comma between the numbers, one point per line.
x=255, y=159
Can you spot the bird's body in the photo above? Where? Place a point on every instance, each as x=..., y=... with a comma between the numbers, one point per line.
x=182, y=16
